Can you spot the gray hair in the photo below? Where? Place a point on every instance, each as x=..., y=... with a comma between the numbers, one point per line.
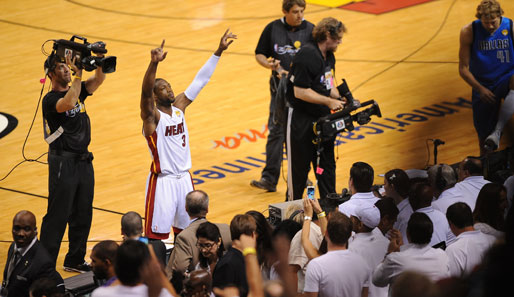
x=441, y=176
x=197, y=203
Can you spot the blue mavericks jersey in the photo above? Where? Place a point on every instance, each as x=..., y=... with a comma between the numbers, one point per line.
x=492, y=56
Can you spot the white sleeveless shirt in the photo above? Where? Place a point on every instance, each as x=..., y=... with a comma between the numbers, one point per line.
x=169, y=144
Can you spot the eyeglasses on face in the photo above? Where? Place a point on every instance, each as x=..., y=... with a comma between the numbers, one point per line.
x=207, y=246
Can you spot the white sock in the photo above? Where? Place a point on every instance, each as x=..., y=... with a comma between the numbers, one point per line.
x=506, y=111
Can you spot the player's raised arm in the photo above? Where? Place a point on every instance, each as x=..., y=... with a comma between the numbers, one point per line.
x=225, y=41
x=204, y=74
x=149, y=113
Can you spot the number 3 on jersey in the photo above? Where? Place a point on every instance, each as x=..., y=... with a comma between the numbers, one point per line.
x=183, y=140
x=503, y=56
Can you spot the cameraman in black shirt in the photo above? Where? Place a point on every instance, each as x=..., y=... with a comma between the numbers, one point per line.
x=70, y=170
x=279, y=42
x=313, y=93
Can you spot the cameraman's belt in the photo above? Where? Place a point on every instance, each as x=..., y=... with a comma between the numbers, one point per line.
x=81, y=157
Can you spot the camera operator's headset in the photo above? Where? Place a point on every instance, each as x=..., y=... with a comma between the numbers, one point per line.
x=334, y=30
x=50, y=63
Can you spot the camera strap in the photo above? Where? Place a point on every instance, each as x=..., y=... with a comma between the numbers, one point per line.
x=49, y=138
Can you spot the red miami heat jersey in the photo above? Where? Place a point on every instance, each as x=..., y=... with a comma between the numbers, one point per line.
x=169, y=144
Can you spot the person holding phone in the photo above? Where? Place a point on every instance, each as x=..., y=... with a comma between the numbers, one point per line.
x=310, y=192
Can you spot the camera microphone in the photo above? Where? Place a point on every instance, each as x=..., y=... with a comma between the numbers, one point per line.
x=438, y=142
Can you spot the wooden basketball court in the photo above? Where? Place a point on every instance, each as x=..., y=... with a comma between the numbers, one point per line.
x=405, y=59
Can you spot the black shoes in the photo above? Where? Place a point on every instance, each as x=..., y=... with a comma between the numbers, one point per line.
x=264, y=184
x=268, y=186
x=81, y=268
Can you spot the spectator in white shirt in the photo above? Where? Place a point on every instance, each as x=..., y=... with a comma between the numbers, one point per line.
x=418, y=255
x=360, y=183
x=297, y=258
x=442, y=178
x=489, y=210
x=339, y=272
x=421, y=200
x=371, y=246
x=396, y=186
x=469, y=248
x=388, y=215
x=410, y=283
x=471, y=180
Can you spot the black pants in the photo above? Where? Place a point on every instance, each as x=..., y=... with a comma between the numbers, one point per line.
x=71, y=184
x=276, y=137
x=302, y=153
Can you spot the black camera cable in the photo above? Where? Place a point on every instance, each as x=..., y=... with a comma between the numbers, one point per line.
x=25, y=159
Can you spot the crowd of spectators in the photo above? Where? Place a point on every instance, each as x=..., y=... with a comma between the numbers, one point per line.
x=449, y=233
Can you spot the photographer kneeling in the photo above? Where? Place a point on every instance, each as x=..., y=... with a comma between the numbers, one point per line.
x=312, y=92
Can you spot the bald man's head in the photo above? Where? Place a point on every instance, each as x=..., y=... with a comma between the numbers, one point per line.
x=131, y=225
x=24, y=228
x=470, y=166
x=197, y=204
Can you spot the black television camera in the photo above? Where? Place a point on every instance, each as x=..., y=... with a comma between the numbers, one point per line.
x=328, y=126
x=82, y=52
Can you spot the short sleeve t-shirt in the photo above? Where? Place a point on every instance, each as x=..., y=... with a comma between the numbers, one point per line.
x=75, y=122
x=282, y=42
x=311, y=70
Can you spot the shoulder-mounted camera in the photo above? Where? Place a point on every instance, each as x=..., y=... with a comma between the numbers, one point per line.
x=82, y=53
